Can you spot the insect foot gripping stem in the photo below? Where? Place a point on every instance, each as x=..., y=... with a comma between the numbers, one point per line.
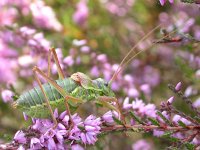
x=105, y=100
x=14, y=104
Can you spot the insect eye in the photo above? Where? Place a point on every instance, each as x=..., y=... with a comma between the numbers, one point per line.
x=106, y=84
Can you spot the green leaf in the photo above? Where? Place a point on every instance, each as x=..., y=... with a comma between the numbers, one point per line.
x=81, y=128
x=136, y=118
x=173, y=139
x=197, y=118
x=117, y=121
x=190, y=146
x=167, y=134
x=184, y=67
x=172, y=148
x=154, y=122
x=136, y=130
x=181, y=124
x=188, y=1
x=163, y=117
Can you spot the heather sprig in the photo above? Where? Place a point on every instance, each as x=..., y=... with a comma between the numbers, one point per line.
x=167, y=123
x=94, y=36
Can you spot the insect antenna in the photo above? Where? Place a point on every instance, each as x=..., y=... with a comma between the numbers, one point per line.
x=125, y=62
x=132, y=49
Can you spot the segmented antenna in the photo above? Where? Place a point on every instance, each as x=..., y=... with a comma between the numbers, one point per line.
x=132, y=49
x=122, y=64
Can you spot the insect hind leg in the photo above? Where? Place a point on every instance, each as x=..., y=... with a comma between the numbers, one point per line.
x=52, y=51
x=64, y=93
x=46, y=99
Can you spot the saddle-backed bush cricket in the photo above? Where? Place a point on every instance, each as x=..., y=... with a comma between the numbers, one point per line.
x=68, y=93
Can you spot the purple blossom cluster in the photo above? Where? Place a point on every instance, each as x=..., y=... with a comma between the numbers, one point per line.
x=118, y=7
x=43, y=15
x=162, y=2
x=23, y=46
x=81, y=14
x=12, y=38
x=63, y=135
x=43, y=133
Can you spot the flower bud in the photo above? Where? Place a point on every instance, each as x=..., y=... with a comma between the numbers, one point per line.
x=178, y=86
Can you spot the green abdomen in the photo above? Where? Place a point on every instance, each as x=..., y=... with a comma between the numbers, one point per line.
x=33, y=103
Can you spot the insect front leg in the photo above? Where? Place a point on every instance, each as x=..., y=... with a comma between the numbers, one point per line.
x=104, y=100
x=64, y=93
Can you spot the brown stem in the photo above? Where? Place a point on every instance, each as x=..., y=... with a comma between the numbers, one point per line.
x=149, y=127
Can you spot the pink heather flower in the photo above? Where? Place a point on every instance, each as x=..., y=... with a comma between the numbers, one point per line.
x=141, y=145
x=25, y=60
x=76, y=147
x=170, y=100
x=196, y=103
x=25, y=116
x=20, y=137
x=189, y=91
x=8, y=16
x=178, y=86
x=151, y=76
x=38, y=43
x=176, y=118
x=55, y=113
x=197, y=74
x=21, y=148
x=165, y=114
x=115, y=86
x=94, y=71
x=7, y=68
x=150, y=110
x=138, y=105
x=7, y=96
x=145, y=88
x=133, y=92
x=85, y=49
x=81, y=14
x=158, y=133
x=59, y=54
x=102, y=58
x=196, y=140
x=76, y=42
x=179, y=135
x=115, y=67
x=126, y=104
x=68, y=60
x=44, y=16
x=78, y=60
x=62, y=115
x=107, y=75
x=128, y=78
x=162, y=2
x=35, y=143
x=92, y=128
x=26, y=31
x=108, y=117
x=51, y=144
